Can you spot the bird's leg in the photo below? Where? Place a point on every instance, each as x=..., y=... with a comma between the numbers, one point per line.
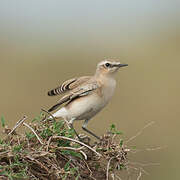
x=85, y=129
x=72, y=127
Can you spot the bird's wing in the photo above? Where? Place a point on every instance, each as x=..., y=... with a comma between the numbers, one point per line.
x=68, y=85
x=83, y=90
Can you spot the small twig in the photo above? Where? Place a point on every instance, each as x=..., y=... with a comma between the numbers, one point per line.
x=114, y=136
x=40, y=164
x=156, y=148
x=4, y=152
x=133, y=137
x=118, y=177
x=138, y=169
x=71, y=148
x=28, y=142
x=139, y=176
x=108, y=165
x=89, y=170
x=49, y=114
x=18, y=124
x=148, y=149
x=84, y=154
x=67, y=123
x=18, y=140
x=144, y=164
x=143, y=171
x=112, y=175
x=74, y=140
x=33, y=132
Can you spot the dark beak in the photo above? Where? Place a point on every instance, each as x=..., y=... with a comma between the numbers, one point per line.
x=121, y=65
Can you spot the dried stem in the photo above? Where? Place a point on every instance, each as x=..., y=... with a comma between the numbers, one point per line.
x=140, y=132
x=18, y=124
x=139, y=176
x=33, y=132
x=49, y=114
x=74, y=140
x=108, y=165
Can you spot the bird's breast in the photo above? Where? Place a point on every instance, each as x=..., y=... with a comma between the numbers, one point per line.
x=108, y=90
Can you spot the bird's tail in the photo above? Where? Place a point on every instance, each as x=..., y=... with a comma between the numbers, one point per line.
x=54, y=91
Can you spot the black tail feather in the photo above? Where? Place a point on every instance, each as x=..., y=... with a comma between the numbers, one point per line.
x=52, y=92
x=65, y=99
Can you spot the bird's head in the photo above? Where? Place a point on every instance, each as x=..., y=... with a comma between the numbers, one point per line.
x=108, y=67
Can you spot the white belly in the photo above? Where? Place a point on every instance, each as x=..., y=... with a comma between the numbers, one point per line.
x=84, y=107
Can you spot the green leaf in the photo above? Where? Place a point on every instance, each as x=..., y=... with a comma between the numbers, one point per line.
x=121, y=166
x=72, y=153
x=70, y=133
x=63, y=143
x=3, y=173
x=46, y=133
x=74, y=170
x=29, y=135
x=64, y=177
x=134, y=147
x=2, y=121
x=113, y=130
x=57, y=127
x=112, y=127
x=121, y=142
x=17, y=148
x=67, y=166
x=1, y=141
x=39, y=117
x=77, y=177
x=97, y=166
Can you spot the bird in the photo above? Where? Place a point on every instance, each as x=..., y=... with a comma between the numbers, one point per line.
x=87, y=95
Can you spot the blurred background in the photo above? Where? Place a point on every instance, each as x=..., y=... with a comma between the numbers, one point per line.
x=43, y=43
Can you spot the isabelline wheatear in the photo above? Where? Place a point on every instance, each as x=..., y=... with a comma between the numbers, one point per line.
x=86, y=95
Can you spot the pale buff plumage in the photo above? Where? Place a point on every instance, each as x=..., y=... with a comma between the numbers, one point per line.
x=87, y=95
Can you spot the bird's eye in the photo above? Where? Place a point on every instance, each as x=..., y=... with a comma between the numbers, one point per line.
x=107, y=65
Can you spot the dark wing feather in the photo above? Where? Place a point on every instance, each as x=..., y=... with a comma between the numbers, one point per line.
x=68, y=85
x=83, y=90
x=62, y=100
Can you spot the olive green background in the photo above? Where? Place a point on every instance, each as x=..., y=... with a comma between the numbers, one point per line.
x=43, y=43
